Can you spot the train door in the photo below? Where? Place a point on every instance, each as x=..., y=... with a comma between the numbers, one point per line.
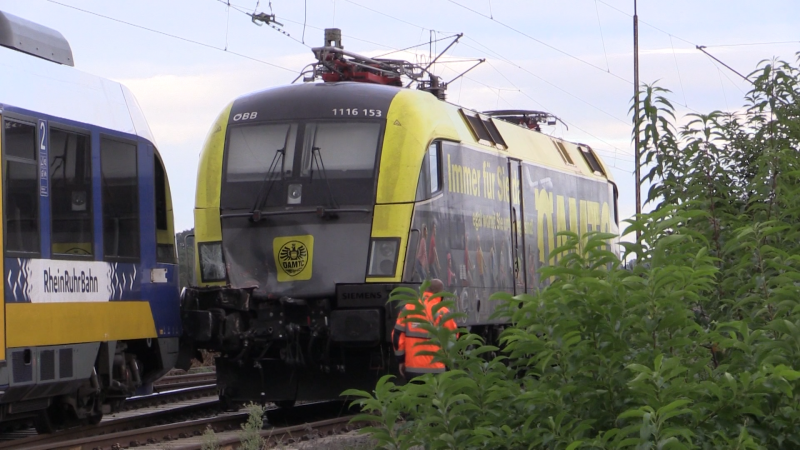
x=517, y=215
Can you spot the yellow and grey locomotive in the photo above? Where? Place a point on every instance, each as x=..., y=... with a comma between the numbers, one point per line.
x=314, y=201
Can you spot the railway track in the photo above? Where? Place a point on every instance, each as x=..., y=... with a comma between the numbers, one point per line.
x=117, y=425
x=133, y=415
x=173, y=382
x=167, y=397
x=188, y=434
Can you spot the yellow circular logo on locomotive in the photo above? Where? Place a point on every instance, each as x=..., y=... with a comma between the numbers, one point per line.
x=293, y=257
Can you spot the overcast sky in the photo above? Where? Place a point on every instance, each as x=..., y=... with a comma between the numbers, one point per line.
x=571, y=58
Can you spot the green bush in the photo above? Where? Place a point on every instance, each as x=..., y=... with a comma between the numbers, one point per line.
x=695, y=346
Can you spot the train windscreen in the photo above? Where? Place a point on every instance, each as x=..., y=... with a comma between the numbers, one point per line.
x=310, y=163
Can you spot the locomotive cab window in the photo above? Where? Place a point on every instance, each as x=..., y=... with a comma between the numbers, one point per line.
x=341, y=150
x=430, y=175
x=309, y=163
x=21, y=203
x=71, y=193
x=120, y=199
x=260, y=150
x=165, y=235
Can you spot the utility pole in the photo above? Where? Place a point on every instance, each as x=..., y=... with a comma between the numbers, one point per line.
x=637, y=156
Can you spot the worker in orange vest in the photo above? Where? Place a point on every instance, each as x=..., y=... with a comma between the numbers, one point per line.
x=410, y=339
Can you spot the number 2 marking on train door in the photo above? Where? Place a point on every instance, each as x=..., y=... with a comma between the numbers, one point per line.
x=44, y=185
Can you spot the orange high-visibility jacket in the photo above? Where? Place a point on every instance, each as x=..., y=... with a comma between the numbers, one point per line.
x=409, y=339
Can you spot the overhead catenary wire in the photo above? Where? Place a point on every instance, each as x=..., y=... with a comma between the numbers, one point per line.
x=409, y=48
x=513, y=64
x=227, y=24
x=173, y=36
x=678, y=69
x=752, y=43
x=244, y=11
x=507, y=61
x=602, y=39
x=255, y=18
x=541, y=42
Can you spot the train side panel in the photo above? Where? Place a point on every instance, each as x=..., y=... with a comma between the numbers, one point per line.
x=471, y=233
x=90, y=303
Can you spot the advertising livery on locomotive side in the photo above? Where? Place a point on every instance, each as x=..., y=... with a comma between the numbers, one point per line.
x=314, y=201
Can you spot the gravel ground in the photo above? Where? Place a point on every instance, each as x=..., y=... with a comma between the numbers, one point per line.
x=352, y=440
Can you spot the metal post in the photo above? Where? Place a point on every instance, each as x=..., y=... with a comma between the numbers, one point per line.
x=636, y=114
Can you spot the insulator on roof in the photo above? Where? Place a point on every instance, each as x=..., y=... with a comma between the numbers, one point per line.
x=333, y=37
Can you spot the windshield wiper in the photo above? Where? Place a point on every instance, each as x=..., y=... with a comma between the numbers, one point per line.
x=316, y=158
x=269, y=179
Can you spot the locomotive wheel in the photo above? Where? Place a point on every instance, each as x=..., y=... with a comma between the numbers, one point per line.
x=285, y=404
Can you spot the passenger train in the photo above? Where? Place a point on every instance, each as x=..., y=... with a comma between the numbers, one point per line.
x=314, y=201
x=91, y=303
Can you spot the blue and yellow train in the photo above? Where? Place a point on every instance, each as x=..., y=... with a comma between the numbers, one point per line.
x=314, y=201
x=90, y=299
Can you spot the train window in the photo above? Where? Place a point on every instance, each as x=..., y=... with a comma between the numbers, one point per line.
x=342, y=150
x=253, y=151
x=165, y=235
x=430, y=175
x=71, y=193
x=22, y=187
x=120, y=199
x=562, y=151
x=434, y=152
x=591, y=159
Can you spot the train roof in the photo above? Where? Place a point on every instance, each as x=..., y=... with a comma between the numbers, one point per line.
x=34, y=84
x=305, y=101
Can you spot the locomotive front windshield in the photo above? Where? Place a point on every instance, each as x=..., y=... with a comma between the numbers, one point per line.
x=314, y=163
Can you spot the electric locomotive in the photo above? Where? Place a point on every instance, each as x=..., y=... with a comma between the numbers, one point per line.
x=91, y=313
x=314, y=201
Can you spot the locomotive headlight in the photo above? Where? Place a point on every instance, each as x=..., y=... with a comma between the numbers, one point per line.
x=212, y=264
x=383, y=257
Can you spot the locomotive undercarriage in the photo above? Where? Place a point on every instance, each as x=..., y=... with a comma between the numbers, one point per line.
x=287, y=349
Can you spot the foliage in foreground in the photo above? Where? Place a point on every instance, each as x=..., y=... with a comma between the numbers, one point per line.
x=696, y=346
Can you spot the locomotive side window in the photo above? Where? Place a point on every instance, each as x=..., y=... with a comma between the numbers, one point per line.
x=120, y=199
x=165, y=235
x=22, y=187
x=430, y=175
x=71, y=193
x=434, y=156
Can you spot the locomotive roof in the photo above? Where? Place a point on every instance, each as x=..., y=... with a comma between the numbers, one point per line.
x=34, y=84
x=309, y=100
x=301, y=101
